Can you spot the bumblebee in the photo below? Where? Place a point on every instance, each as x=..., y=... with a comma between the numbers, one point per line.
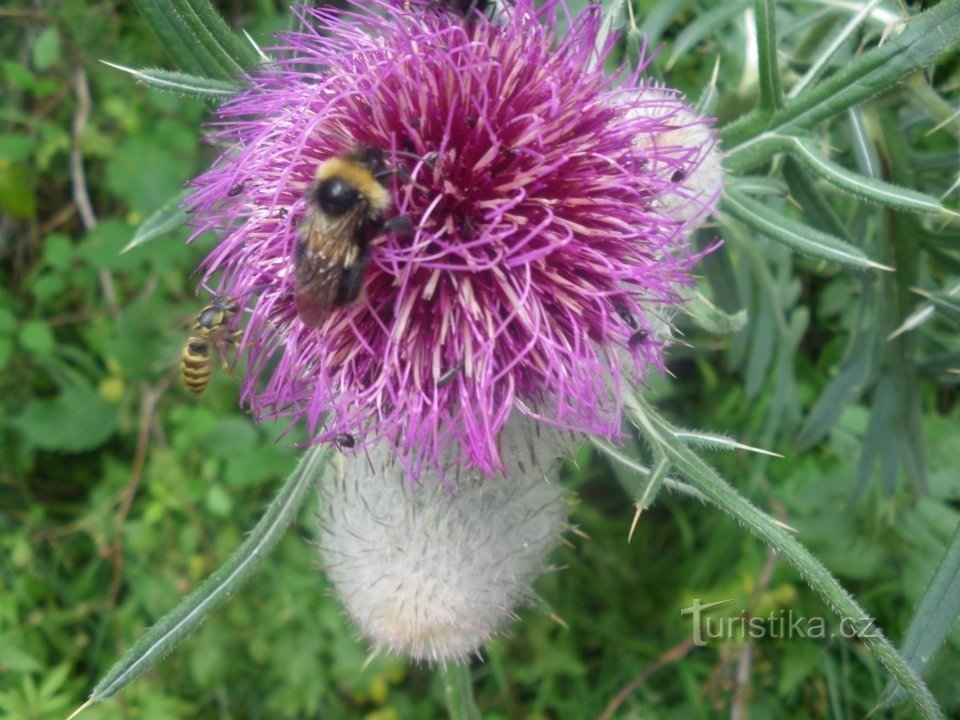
x=346, y=205
x=209, y=333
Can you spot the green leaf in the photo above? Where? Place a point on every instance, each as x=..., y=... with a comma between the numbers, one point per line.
x=758, y=185
x=865, y=188
x=166, y=219
x=795, y=235
x=17, y=190
x=935, y=616
x=662, y=437
x=830, y=51
x=76, y=420
x=197, y=38
x=926, y=36
x=702, y=25
x=771, y=93
x=181, y=83
x=857, y=372
x=816, y=210
x=713, y=319
x=37, y=338
x=160, y=639
x=46, y=48
x=16, y=148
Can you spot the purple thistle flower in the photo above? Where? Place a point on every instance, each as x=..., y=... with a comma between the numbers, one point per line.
x=539, y=190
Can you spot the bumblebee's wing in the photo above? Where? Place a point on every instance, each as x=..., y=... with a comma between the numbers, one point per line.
x=326, y=250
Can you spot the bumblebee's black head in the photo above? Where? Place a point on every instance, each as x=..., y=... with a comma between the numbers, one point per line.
x=336, y=196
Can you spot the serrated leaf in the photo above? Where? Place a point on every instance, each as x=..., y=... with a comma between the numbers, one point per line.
x=197, y=37
x=860, y=186
x=933, y=619
x=75, y=420
x=794, y=235
x=926, y=36
x=168, y=218
x=181, y=83
x=160, y=639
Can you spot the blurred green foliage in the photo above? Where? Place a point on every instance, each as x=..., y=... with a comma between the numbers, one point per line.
x=119, y=492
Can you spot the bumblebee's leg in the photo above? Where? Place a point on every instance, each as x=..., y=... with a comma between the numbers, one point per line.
x=399, y=225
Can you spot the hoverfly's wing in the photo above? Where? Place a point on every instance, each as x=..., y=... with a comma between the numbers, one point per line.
x=326, y=250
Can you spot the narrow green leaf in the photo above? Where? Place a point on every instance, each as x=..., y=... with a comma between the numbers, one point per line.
x=771, y=93
x=831, y=50
x=703, y=24
x=662, y=436
x=182, y=83
x=167, y=218
x=649, y=492
x=758, y=185
x=795, y=235
x=865, y=188
x=935, y=616
x=208, y=28
x=922, y=314
x=713, y=319
x=863, y=148
x=857, y=372
x=187, y=615
x=718, y=442
x=197, y=38
x=816, y=210
x=176, y=39
x=944, y=302
x=926, y=36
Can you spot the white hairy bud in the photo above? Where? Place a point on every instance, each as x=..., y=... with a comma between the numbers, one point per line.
x=434, y=572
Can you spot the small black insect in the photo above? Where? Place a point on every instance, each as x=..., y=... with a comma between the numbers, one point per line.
x=345, y=440
x=639, y=337
x=236, y=189
x=678, y=176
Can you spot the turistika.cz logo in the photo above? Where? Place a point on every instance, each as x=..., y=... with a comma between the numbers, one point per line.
x=777, y=624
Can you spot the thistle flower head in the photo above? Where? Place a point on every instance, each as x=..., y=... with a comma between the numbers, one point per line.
x=538, y=189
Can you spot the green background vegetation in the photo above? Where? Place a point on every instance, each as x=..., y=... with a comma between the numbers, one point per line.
x=119, y=492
